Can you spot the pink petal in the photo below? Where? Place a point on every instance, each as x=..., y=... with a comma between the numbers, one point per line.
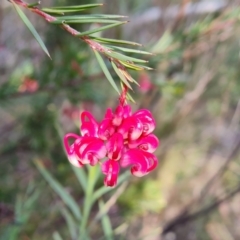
x=81, y=144
x=106, y=129
x=115, y=146
x=143, y=162
x=72, y=157
x=110, y=168
x=118, y=116
x=147, y=143
x=152, y=160
x=89, y=125
x=127, y=111
x=146, y=119
x=94, y=151
x=131, y=128
x=66, y=140
x=121, y=112
x=109, y=113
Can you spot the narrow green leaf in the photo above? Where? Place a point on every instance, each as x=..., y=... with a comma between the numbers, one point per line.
x=131, y=66
x=102, y=190
x=72, y=226
x=100, y=29
x=58, y=188
x=106, y=223
x=95, y=16
x=130, y=79
x=115, y=41
x=144, y=67
x=28, y=203
x=84, y=6
x=134, y=66
x=130, y=98
x=106, y=71
x=61, y=11
x=121, y=76
x=56, y=11
x=97, y=173
x=57, y=236
x=33, y=5
x=18, y=207
x=70, y=9
x=129, y=50
x=122, y=57
x=31, y=28
x=88, y=20
x=164, y=42
x=111, y=201
x=81, y=176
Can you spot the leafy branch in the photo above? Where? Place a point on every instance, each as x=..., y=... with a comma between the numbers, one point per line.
x=112, y=49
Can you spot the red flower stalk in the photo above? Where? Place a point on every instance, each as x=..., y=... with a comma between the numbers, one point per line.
x=125, y=139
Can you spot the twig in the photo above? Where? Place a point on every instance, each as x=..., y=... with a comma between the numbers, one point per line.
x=92, y=44
x=192, y=216
x=184, y=216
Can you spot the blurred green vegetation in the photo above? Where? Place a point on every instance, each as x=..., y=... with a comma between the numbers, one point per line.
x=195, y=100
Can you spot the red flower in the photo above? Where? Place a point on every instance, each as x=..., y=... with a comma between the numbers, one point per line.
x=115, y=146
x=72, y=157
x=147, y=143
x=89, y=150
x=147, y=120
x=106, y=129
x=143, y=162
x=110, y=168
x=89, y=125
x=121, y=112
x=128, y=142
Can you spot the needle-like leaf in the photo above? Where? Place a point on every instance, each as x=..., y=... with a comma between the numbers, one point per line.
x=130, y=98
x=81, y=176
x=100, y=29
x=121, y=76
x=102, y=190
x=106, y=71
x=71, y=224
x=83, y=20
x=84, y=6
x=122, y=57
x=134, y=66
x=130, y=50
x=30, y=27
x=131, y=65
x=115, y=41
x=57, y=236
x=67, y=9
x=59, y=189
x=96, y=16
x=106, y=223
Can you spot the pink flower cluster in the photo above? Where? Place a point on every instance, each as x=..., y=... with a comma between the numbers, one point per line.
x=125, y=139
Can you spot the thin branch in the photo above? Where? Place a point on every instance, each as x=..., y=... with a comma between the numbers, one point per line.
x=206, y=210
x=185, y=216
x=92, y=44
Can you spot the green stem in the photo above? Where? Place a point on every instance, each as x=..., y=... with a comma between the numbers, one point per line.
x=92, y=174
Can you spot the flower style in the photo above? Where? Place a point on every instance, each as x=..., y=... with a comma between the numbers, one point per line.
x=123, y=138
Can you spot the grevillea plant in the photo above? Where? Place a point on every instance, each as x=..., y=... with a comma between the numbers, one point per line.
x=122, y=139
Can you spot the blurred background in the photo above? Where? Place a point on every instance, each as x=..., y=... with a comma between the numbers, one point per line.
x=193, y=92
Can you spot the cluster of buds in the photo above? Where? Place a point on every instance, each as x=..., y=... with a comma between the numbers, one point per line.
x=121, y=139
